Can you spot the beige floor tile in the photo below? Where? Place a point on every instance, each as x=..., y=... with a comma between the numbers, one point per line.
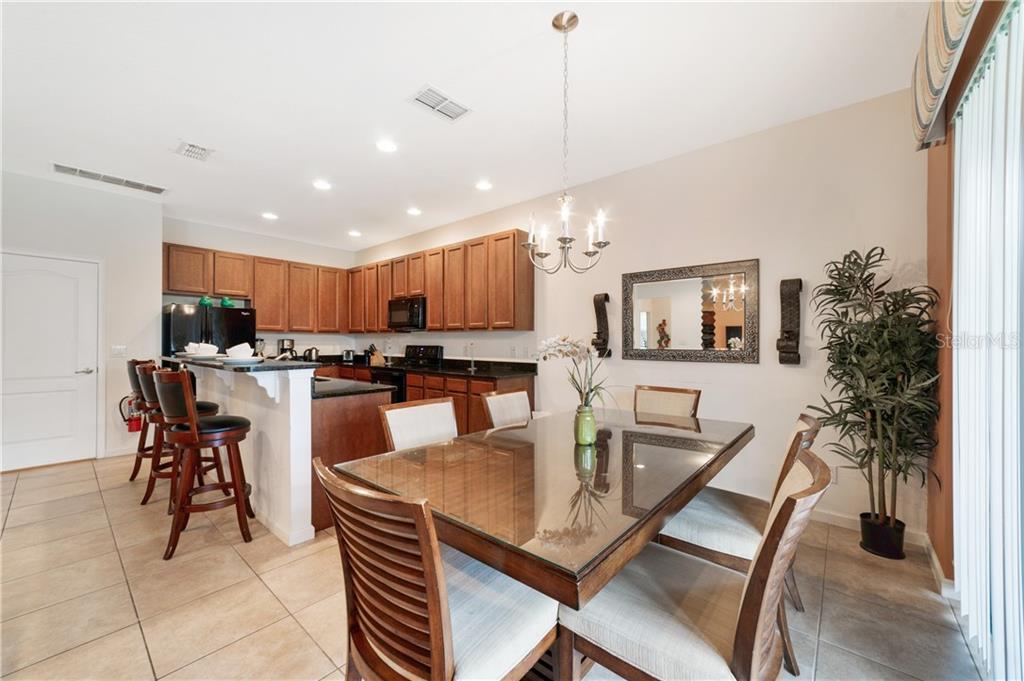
x=47, y=632
x=151, y=525
x=42, y=557
x=815, y=535
x=894, y=638
x=51, y=530
x=56, y=478
x=42, y=589
x=29, y=497
x=847, y=541
x=836, y=664
x=130, y=494
x=308, y=580
x=119, y=656
x=269, y=552
x=279, y=652
x=889, y=583
x=805, y=648
x=129, y=510
x=125, y=460
x=336, y=675
x=54, y=509
x=809, y=567
x=148, y=557
x=226, y=520
x=56, y=469
x=326, y=622
x=185, y=634
x=186, y=578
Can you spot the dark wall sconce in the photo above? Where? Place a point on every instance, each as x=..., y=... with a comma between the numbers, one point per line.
x=600, y=341
x=788, y=343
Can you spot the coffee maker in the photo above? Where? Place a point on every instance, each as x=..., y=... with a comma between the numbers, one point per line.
x=286, y=346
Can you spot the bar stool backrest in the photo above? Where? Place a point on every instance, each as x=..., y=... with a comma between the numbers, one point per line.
x=144, y=374
x=177, y=401
x=133, y=376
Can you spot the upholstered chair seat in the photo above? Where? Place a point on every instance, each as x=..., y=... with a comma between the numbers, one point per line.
x=723, y=521
x=668, y=614
x=496, y=620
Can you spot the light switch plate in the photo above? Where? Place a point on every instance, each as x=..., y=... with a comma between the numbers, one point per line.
x=118, y=350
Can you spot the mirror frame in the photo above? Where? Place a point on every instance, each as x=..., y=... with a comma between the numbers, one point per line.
x=750, y=354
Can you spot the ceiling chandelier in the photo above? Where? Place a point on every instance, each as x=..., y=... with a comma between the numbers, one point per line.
x=727, y=297
x=537, y=243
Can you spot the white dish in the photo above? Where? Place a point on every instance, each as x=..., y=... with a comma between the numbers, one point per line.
x=206, y=358
x=183, y=354
x=241, y=361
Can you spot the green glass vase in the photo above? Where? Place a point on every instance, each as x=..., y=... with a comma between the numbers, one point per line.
x=585, y=426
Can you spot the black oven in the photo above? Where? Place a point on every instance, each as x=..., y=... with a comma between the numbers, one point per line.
x=407, y=314
x=387, y=376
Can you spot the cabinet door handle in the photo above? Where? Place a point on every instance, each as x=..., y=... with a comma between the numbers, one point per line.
x=84, y=371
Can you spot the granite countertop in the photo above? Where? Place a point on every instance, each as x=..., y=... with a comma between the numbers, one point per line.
x=455, y=367
x=265, y=365
x=341, y=387
x=481, y=372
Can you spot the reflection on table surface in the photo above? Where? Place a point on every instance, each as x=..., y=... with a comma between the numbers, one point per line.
x=531, y=487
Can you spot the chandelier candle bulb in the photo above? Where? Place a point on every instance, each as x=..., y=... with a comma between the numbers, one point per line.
x=600, y=225
x=532, y=239
x=590, y=237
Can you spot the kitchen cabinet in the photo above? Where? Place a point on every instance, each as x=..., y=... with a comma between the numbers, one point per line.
x=476, y=284
x=416, y=274
x=330, y=286
x=509, y=282
x=457, y=389
x=370, y=298
x=433, y=276
x=384, y=283
x=188, y=269
x=301, y=297
x=346, y=372
x=476, y=411
x=329, y=371
x=414, y=387
x=356, y=301
x=362, y=374
x=400, y=277
x=270, y=294
x=232, y=274
x=454, y=287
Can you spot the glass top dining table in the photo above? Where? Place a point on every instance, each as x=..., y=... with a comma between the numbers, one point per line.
x=561, y=517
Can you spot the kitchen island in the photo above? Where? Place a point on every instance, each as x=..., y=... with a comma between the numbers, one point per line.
x=277, y=397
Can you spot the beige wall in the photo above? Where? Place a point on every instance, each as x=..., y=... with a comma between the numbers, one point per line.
x=795, y=197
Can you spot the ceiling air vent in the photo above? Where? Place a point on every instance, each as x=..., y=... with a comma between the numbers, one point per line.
x=193, y=151
x=109, y=179
x=440, y=103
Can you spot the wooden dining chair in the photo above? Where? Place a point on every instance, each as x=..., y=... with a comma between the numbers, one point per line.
x=418, y=423
x=726, y=527
x=655, y=399
x=670, y=615
x=421, y=610
x=507, y=409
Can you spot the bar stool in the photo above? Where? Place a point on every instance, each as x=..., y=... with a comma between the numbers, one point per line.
x=142, y=452
x=190, y=433
x=158, y=467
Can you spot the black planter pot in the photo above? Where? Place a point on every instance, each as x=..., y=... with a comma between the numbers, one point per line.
x=882, y=540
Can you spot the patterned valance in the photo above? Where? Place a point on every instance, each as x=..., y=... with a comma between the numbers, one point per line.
x=948, y=24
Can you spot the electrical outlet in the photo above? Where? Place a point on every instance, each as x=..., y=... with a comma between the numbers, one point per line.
x=118, y=350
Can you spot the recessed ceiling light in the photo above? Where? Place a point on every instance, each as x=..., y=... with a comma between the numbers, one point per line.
x=413, y=210
x=387, y=145
x=484, y=185
x=269, y=216
x=322, y=185
x=354, y=232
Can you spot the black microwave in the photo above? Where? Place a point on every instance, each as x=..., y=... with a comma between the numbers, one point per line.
x=407, y=314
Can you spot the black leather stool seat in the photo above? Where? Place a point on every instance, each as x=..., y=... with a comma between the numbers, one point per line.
x=214, y=424
x=203, y=407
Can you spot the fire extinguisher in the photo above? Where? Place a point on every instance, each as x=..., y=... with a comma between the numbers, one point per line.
x=129, y=414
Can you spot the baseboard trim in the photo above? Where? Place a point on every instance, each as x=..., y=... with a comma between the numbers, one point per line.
x=946, y=586
x=853, y=523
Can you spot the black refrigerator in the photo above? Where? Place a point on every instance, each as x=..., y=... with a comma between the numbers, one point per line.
x=221, y=326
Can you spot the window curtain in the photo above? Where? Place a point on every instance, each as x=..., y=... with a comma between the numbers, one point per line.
x=988, y=484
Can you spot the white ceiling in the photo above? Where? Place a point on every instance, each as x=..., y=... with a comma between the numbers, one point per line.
x=285, y=93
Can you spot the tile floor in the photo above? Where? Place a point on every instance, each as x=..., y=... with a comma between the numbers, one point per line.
x=84, y=593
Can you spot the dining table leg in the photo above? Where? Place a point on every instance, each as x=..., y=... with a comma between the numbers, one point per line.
x=567, y=659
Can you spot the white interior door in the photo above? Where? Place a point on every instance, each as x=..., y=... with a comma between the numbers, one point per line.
x=50, y=372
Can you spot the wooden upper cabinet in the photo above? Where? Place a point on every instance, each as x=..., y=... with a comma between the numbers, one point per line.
x=509, y=282
x=356, y=301
x=476, y=284
x=188, y=269
x=384, y=293
x=301, y=297
x=399, y=277
x=270, y=294
x=416, y=274
x=328, y=299
x=372, y=305
x=433, y=288
x=454, y=287
x=232, y=274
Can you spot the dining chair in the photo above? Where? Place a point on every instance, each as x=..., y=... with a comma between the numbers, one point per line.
x=421, y=610
x=507, y=409
x=670, y=615
x=726, y=527
x=418, y=423
x=655, y=399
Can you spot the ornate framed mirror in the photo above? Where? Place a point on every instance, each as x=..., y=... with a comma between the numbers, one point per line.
x=699, y=313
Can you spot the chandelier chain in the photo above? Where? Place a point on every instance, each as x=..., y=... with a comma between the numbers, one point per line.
x=565, y=112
